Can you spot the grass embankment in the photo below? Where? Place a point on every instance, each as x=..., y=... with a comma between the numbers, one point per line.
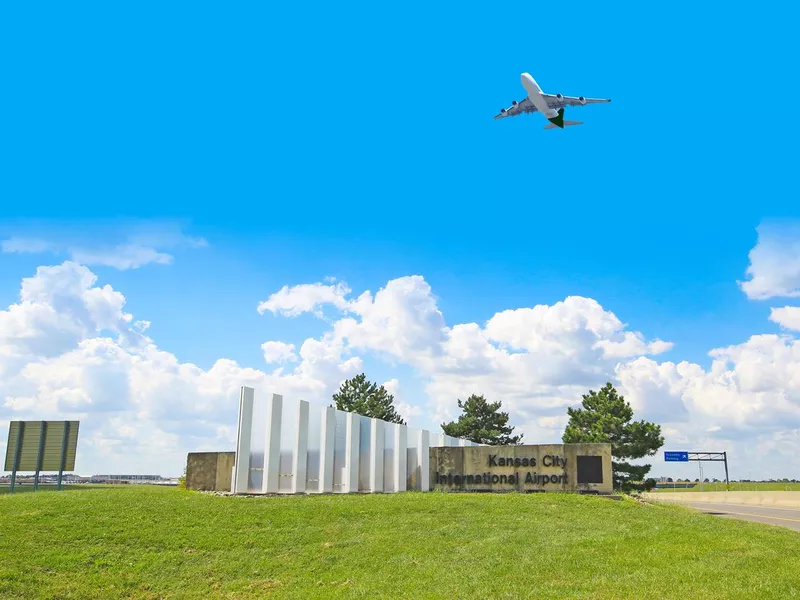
x=736, y=487
x=150, y=542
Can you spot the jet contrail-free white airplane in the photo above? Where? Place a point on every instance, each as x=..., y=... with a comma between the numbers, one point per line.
x=551, y=106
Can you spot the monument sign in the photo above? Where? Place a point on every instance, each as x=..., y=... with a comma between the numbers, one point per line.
x=545, y=468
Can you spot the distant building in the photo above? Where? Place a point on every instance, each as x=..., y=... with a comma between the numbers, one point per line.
x=151, y=479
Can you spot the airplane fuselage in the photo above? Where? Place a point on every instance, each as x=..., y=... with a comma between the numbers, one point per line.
x=535, y=96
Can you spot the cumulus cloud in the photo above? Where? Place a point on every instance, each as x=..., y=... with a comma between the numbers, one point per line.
x=296, y=300
x=774, y=269
x=787, y=317
x=535, y=360
x=69, y=349
x=408, y=411
x=278, y=352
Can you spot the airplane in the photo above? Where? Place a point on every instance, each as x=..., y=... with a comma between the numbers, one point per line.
x=551, y=106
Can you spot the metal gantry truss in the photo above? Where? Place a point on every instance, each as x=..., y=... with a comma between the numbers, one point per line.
x=712, y=457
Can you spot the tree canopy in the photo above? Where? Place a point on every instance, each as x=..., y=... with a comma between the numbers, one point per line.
x=605, y=416
x=366, y=398
x=483, y=423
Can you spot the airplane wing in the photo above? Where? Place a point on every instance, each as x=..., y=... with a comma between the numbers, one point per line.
x=557, y=101
x=517, y=108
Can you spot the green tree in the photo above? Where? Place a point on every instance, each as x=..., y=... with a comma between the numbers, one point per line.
x=607, y=417
x=482, y=423
x=366, y=398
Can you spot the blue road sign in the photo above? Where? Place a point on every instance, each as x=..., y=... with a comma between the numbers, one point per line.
x=676, y=456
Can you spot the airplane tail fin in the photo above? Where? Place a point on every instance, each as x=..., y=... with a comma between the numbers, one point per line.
x=558, y=121
x=566, y=124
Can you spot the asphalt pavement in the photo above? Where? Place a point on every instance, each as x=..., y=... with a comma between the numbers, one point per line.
x=783, y=517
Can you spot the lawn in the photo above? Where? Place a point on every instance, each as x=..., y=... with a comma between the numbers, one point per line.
x=151, y=542
x=737, y=487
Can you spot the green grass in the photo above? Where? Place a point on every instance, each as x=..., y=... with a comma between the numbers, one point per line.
x=737, y=487
x=150, y=542
x=48, y=487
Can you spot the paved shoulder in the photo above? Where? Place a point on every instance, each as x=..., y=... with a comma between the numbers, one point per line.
x=783, y=517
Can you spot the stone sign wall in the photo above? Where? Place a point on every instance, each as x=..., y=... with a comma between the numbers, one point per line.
x=582, y=468
x=209, y=471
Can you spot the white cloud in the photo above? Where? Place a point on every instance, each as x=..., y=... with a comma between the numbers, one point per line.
x=774, y=268
x=408, y=411
x=22, y=245
x=535, y=360
x=68, y=349
x=296, y=300
x=86, y=243
x=122, y=256
x=787, y=317
x=278, y=352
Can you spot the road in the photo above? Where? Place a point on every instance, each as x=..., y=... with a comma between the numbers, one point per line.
x=784, y=517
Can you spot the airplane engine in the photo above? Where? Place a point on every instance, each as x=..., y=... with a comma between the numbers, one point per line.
x=582, y=100
x=560, y=97
x=513, y=103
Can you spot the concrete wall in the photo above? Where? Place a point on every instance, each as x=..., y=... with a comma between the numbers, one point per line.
x=209, y=471
x=551, y=468
x=777, y=499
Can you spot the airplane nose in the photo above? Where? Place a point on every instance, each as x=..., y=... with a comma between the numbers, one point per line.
x=529, y=83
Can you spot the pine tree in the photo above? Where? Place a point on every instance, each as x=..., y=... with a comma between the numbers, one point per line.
x=366, y=398
x=606, y=417
x=482, y=423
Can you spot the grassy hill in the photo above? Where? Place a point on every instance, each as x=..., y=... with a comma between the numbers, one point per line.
x=150, y=542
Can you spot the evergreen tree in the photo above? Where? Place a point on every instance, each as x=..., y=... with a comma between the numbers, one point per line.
x=607, y=417
x=482, y=423
x=366, y=398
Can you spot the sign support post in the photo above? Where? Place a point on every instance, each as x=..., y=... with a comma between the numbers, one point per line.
x=727, y=482
x=42, y=433
x=17, y=452
x=63, y=454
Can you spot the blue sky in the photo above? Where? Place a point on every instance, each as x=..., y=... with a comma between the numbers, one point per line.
x=357, y=142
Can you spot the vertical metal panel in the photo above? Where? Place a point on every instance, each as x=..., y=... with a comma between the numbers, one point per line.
x=258, y=452
x=364, y=452
x=389, y=438
x=351, y=456
x=242, y=461
x=289, y=433
x=423, y=447
x=327, y=446
x=313, y=448
x=272, y=445
x=412, y=438
x=376, y=456
x=301, y=449
x=401, y=459
x=340, y=453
